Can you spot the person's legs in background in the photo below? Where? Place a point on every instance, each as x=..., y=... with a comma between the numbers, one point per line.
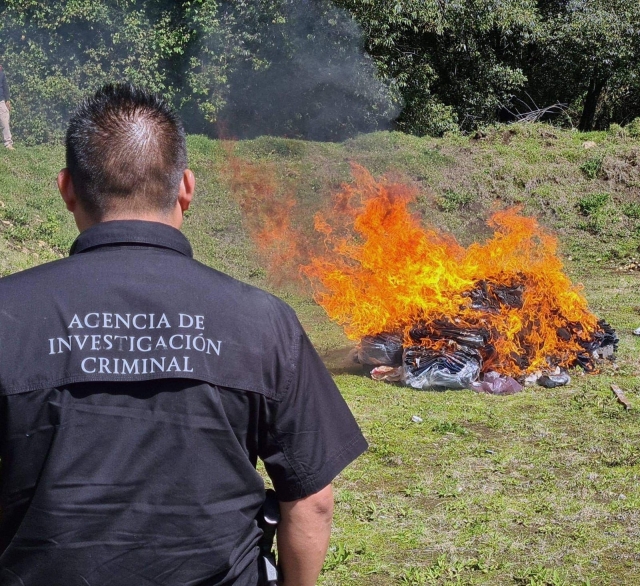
x=4, y=122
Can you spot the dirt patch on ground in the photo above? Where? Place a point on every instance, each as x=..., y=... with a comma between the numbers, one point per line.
x=484, y=432
x=624, y=169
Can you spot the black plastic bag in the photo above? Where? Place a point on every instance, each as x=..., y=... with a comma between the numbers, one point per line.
x=444, y=330
x=491, y=297
x=382, y=350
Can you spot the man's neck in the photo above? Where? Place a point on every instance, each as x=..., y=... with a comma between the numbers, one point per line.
x=173, y=219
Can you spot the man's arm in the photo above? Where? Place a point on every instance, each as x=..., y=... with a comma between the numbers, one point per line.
x=303, y=537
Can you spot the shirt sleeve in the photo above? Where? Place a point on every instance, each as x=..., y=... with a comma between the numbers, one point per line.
x=311, y=434
x=5, y=87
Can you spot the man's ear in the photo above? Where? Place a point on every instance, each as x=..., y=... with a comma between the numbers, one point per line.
x=187, y=189
x=65, y=186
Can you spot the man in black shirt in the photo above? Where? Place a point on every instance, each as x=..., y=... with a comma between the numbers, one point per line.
x=5, y=109
x=139, y=387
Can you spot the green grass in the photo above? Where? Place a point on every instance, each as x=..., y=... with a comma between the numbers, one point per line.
x=539, y=488
x=497, y=490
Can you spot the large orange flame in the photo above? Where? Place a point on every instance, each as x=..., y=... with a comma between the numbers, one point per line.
x=375, y=269
x=381, y=271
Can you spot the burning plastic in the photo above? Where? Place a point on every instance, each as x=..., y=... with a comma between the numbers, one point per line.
x=434, y=313
x=381, y=350
x=488, y=296
x=425, y=369
x=603, y=337
x=444, y=355
x=504, y=305
x=440, y=329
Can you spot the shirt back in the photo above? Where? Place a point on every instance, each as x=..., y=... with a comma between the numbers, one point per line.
x=138, y=388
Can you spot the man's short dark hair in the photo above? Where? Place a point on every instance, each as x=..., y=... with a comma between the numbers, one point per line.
x=126, y=150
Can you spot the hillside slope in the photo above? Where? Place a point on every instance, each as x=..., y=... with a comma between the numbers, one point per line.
x=539, y=488
x=589, y=197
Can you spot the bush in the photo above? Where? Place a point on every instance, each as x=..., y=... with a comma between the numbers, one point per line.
x=592, y=167
x=617, y=131
x=430, y=118
x=593, y=203
x=633, y=128
x=451, y=200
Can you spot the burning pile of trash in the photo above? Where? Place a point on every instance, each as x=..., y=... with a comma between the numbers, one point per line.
x=432, y=314
x=424, y=310
x=465, y=357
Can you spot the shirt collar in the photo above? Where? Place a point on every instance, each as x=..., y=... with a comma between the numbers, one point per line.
x=132, y=233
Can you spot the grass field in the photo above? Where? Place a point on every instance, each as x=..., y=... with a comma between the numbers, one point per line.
x=539, y=488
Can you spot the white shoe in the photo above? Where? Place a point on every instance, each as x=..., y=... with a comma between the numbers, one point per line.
x=11, y=147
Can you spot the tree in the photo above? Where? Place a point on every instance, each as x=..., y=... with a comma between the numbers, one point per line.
x=55, y=51
x=587, y=54
x=455, y=62
x=299, y=68
x=261, y=66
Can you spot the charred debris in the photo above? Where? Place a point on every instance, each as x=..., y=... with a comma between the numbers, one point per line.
x=444, y=354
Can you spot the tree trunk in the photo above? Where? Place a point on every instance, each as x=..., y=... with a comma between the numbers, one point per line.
x=596, y=85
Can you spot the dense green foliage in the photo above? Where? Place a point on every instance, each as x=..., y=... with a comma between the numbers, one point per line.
x=262, y=66
x=296, y=68
x=587, y=54
x=462, y=63
x=54, y=52
x=455, y=62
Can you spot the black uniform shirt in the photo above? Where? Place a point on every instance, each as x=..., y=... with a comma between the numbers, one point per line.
x=138, y=387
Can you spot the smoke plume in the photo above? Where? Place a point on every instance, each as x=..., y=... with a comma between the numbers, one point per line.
x=313, y=80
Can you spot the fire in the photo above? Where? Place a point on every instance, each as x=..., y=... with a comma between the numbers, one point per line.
x=423, y=307
x=381, y=271
x=269, y=214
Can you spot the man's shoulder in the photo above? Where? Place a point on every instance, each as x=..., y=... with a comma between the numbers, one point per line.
x=230, y=294
x=25, y=276
x=246, y=297
x=35, y=283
